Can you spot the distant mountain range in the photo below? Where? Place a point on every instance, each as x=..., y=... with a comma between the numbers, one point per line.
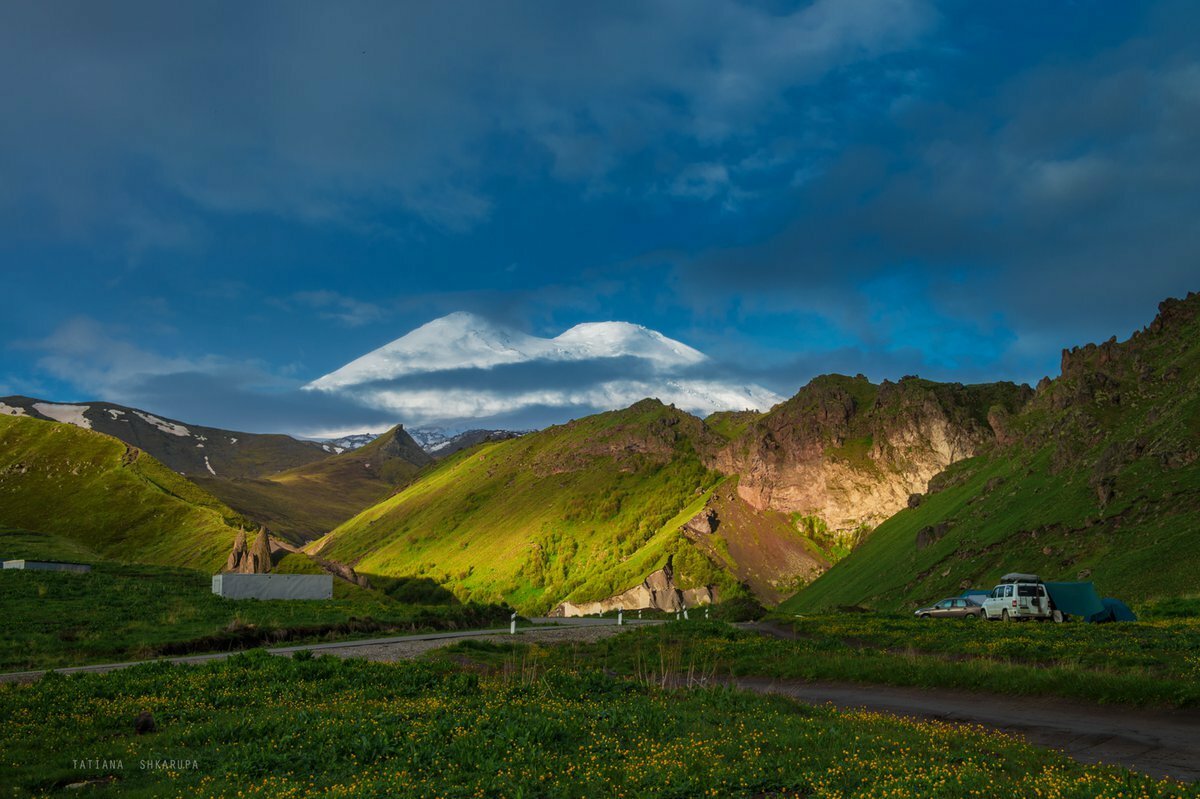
x=462, y=369
x=187, y=448
x=909, y=489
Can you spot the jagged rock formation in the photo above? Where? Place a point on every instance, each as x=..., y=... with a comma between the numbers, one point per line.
x=1097, y=475
x=657, y=592
x=253, y=560
x=852, y=453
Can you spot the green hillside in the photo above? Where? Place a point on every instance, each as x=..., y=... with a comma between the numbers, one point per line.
x=577, y=511
x=1098, y=478
x=308, y=501
x=122, y=611
x=113, y=499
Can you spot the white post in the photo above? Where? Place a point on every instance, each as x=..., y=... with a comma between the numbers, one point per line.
x=676, y=615
x=639, y=613
x=512, y=624
x=620, y=616
x=706, y=613
x=685, y=611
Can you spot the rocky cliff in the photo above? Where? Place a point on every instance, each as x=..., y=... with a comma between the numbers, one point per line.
x=657, y=592
x=1097, y=477
x=851, y=453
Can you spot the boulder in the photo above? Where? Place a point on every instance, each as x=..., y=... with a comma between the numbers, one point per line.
x=931, y=534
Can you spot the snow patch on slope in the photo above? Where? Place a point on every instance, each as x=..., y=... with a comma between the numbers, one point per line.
x=70, y=414
x=163, y=425
x=208, y=466
x=11, y=410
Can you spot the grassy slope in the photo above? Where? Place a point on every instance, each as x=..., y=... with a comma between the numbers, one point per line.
x=308, y=501
x=577, y=511
x=1126, y=414
x=123, y=611
x=116, y=501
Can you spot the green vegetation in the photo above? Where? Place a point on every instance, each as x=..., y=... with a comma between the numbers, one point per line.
x=262, y=726
x=1146, y=664
x=578, y=511
x=114, y=500
x=306, y=502
x=1097, y=478
x=126, y=611
x=731, y=424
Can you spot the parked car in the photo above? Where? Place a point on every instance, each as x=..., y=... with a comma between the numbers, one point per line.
x=1019, y=597
x=953, y=608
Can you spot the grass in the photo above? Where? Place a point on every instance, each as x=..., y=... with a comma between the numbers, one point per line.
x=1098, y=477
x=115, y=501
x=1144, y=664
x=134, y=611
x=578, y=511
x=262, y=726
x=306, y=502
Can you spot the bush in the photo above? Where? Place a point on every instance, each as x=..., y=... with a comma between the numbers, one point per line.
x=738, y=609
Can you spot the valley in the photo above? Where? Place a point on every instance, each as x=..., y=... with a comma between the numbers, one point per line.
x=822, y=522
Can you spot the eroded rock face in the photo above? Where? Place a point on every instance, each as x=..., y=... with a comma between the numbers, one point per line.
x=657, y=592
x=852, y=453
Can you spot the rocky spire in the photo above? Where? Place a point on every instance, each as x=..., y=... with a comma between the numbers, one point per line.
x=238, y=555
x=260, y=553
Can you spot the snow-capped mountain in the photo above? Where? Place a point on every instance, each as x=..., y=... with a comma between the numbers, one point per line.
x=347, y=443
x=463, y=368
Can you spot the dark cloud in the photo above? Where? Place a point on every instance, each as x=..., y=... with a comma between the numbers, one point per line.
x=1061, y=204
x=303, y=111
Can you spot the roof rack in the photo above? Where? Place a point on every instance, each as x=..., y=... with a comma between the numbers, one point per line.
x=1017, y=577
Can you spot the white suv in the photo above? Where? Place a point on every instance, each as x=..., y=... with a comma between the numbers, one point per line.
x=1020, y=596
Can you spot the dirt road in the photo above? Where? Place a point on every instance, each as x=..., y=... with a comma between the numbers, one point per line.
x=1162, y=743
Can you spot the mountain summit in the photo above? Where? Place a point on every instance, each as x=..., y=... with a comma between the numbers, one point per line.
x=463, y=368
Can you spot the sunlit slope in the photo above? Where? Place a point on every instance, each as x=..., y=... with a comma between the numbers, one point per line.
x=1098, y=478
x=114, y=500
x=577, y=511
x=308, y=501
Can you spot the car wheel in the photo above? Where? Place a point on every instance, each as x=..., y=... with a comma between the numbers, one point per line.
x=925, y=617
x=1004, y=615
x=971, y=616
x=1057, y=616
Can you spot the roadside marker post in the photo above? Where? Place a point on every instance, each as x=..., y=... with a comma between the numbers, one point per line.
x=620, y=616
x=512, y=624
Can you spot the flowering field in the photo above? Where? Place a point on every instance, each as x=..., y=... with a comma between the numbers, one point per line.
x=264, y=726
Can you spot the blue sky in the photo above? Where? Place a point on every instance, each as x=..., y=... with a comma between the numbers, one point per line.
x=204, y=206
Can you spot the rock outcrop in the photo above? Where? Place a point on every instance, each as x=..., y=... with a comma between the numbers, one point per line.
x=657, y=592
x=255, y=559
x=852, y=453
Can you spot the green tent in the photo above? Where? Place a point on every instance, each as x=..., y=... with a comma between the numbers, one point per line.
x=1075, y=599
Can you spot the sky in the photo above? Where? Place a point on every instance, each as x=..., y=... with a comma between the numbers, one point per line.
x=206, y=206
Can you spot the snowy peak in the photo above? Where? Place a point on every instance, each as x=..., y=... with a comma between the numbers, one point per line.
x=613, y=339
x=592, y=366
x=458, y=341
x=465, y=341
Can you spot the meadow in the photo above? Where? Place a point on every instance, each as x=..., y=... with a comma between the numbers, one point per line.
x=1152, y=663
x=265, y=726
x=121, y=611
